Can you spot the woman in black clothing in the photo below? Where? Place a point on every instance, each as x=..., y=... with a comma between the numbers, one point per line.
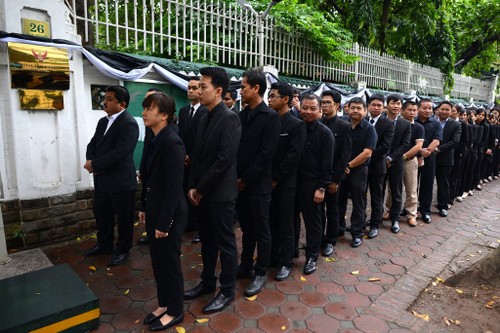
x=163, y=208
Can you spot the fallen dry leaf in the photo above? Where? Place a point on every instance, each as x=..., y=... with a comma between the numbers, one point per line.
x=302, y=278
x=365, y=237
x=355, y=272
x=94, y=236
x=109, y=274
x=204, y=320
x=421, y=316
x=78, y=239
x=439, y=280
x=446, y=321
x=92, y=268
x=126, y=292
x=137, y=321
x=327, y=259
x=180, y=329
x=144, y=234
x=283, y=328
x=489, y=305
x=373, y=279
x=252, y=298
x=460, y=291
x=136, y=224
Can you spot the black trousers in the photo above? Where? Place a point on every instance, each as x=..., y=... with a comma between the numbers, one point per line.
x=478, y=170
x=426, y=175
x=331, y=218
x=463, y=174
x=443, y=174
x=355, y=184
x=107, y=207
x=470, y=176
x=456, y=176
x=395, y=179
x=282, y=225
x=165, y=258
x=311, y=212
x=216, y=228
x=376, y=186
x=192, y=223
x=253, y=214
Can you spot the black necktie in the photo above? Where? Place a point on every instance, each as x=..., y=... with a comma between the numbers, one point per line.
x=191, y=112
x=372, y=121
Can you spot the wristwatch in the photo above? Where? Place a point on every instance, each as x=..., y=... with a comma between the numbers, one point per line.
x=322, y=190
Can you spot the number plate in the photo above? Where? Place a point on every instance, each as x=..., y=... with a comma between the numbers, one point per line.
x=36, y=28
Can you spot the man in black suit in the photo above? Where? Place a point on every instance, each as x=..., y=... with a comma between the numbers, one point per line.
x=427, y=158
x=395, y=163
x=284, y=178
x=330, y=104
x=377, y=169
x=444, y=154
x=213, y=189
x=110, y=159
x=364, y=140
x=189, y=117
x=314, y=176
x=259, y=138
x=461, y=155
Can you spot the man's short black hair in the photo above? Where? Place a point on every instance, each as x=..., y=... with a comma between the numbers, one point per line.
x=194, y=78
x=394, y=97
x=374, y=97
x=219, y=77
x=408, y=103
x=121, y=94
x=357, y=100
x=312, y=97
x=444, y=102
x=425, y=100
x=335, y=95
x=284, y=89
x=255, y=77
x=233, y=93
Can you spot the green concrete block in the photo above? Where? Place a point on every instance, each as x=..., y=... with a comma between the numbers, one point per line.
x=53, y=299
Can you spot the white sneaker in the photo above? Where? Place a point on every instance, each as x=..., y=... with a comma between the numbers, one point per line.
x=465, y=195
x=496, y=177
x=481, y=182
x=479, y=188
x=490, y=179
x=485, y=181
x=459, y=199
x=471, y=193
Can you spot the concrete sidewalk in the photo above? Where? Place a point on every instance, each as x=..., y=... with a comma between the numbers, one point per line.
x=341, y=296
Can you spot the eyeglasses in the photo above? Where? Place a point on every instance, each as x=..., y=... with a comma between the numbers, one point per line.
x=274, y=96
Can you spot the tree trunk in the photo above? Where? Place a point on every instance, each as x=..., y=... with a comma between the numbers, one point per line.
x=384, y=20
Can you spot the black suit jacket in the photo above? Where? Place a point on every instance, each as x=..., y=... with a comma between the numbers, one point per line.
x=162, y=170
x=385, y=132
x=213, y=161
x=112, y=154
x=188, y=127
x=291, y=144
x=343, y=144
x=464, y=143
x=400, y=142
x=260, y=132
x=451, y=137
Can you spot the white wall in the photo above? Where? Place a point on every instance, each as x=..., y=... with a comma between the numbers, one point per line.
x=44, y=151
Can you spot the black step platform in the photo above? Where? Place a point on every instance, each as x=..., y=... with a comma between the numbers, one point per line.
x=53, y=299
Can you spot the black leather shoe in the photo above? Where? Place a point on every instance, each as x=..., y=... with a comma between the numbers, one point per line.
x=373, y=232
x=283, y=273
x=96, y=250
x=348, y=229
x=328, y=250
x=443, y=212
x=310, y=266
x=196, y=238
x=157, y=325
x=395, y=227
x=118, y=259
x=256, y=286
x=403, y=213
x=218, y=303
x=150, y=318
x=198, y=291
x=143, y=240
x=244, y=273
x=357, y=241
x=426, y=218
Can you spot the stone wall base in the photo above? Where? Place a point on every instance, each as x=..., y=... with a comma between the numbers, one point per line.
x=45, y=221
